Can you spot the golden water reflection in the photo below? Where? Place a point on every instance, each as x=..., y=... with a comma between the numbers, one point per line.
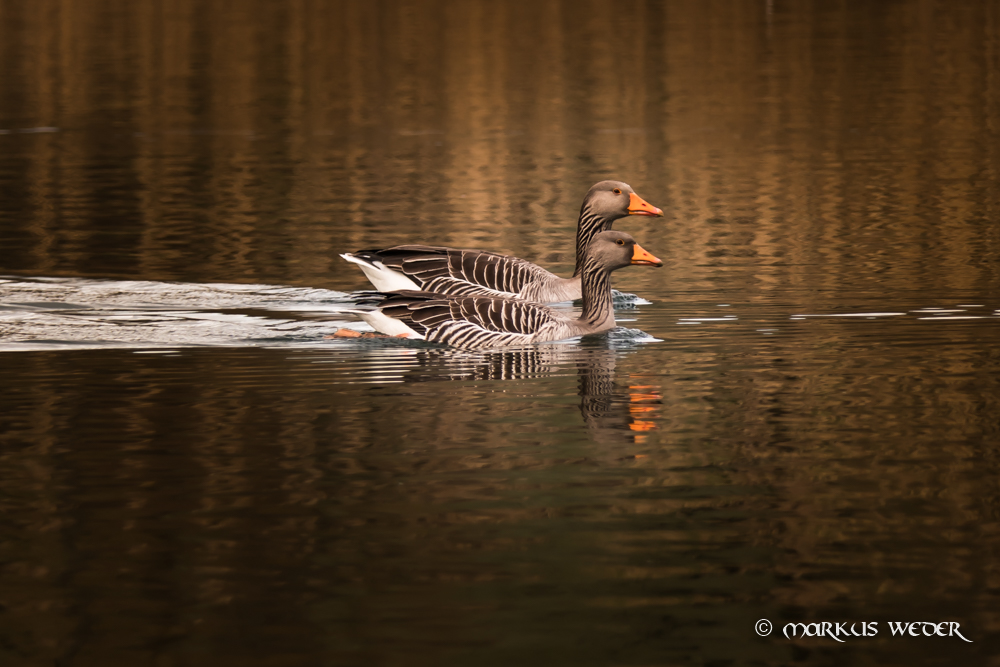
x=255, y=143
x=599, y=506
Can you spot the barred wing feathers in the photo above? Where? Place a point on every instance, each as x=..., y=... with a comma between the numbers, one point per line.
x=460, y=272
x=472, y=322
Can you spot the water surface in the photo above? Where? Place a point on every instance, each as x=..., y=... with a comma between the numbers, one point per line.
x=799, y=422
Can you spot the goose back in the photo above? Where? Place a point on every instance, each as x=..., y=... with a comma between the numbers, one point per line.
x=467, y=271
x=472, y=322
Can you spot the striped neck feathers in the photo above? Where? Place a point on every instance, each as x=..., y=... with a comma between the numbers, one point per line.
x=596, y=284
x=590, y=225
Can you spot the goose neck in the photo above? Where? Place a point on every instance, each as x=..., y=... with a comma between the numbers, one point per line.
x=590, y=225
x=597, y=304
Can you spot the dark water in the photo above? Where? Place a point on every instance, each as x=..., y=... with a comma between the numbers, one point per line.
x=801, y=424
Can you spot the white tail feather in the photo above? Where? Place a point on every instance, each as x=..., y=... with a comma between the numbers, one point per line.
x=384, y=279
x=385, y=324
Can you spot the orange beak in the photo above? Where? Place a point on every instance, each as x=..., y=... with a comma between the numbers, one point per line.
x=639, y=206
x=643, y=258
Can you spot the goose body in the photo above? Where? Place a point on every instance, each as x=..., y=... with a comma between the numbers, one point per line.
x=476, y=272
x=477, y=321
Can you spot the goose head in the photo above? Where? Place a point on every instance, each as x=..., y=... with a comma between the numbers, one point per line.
x=612, y=250
x=611, y=200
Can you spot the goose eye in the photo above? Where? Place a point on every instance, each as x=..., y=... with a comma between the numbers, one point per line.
x=620, y=241
x=617, y=191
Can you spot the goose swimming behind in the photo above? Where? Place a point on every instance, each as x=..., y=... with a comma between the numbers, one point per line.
x=481, y=321
x=477, y=272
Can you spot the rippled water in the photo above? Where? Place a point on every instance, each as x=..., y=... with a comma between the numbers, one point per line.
x=798, y=423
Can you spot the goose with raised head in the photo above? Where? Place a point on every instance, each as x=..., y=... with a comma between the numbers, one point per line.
x=481, y=321
x=471, y=272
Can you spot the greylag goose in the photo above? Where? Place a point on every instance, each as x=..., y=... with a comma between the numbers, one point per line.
x=481, y=321
x=467, y=272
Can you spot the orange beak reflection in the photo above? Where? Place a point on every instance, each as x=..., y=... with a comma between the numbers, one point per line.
x=643, y=407
x=643, y=258
x=639, y=206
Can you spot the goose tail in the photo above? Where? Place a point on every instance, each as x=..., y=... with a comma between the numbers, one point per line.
x=382, y=323
x=382, y=277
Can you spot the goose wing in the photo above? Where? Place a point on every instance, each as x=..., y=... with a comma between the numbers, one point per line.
x=459, y=272
x=469, y=322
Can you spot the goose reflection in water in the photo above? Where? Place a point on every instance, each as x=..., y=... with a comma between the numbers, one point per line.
x=606, y=406
x=615, y=406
